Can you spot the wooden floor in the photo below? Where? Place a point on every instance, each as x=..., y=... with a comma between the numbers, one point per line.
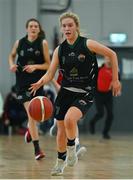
x=105, y=159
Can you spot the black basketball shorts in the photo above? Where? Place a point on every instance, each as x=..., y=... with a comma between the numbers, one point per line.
x=66, y=99
x=24, y=95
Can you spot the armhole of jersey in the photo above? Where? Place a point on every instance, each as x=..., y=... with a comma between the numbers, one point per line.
x=19, y=45
x=41, y=42
x=59, y=52
x=91, y=53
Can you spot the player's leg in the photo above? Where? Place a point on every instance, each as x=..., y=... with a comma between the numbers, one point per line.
x=33, y=135
x=80, y=150
x=61, y=150
x=109, y=117
x=99, y=104
x=70, y=121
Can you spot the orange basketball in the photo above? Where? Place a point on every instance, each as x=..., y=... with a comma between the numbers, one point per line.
x=40, y=108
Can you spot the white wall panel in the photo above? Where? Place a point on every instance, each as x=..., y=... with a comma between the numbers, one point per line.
x=117, y=17
x=25, y=9
x=6, y=33
x=89, y=12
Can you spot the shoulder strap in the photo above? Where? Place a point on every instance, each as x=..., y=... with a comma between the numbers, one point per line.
x=41, y=44
x=20, y=43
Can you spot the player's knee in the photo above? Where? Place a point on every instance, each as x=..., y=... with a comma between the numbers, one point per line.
x=69, y=122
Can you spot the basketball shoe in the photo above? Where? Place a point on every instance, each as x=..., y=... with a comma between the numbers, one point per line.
x=58, y=168
x=39, y=155
x=27, y=136
x=106, y=136
x=80, y=150
x=71, y=158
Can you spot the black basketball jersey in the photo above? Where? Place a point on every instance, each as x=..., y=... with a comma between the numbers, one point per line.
x=29, y=53
x=78, y=65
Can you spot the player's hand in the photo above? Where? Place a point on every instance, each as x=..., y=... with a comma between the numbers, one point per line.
x=116, y=88
x=35, y=86
x=13, y=68
x=29, y=68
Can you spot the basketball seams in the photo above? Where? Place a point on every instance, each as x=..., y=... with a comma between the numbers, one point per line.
x=48, y=104
x=42, y=107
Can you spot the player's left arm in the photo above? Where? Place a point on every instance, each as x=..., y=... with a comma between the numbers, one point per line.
x=102, y=50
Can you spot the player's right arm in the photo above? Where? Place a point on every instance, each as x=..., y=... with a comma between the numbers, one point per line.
x=49, y=74
x=12, y=56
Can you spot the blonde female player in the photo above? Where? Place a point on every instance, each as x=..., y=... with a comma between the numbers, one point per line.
x=76, y=57
x=32, y=62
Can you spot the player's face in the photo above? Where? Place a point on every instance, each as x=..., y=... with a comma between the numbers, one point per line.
x=33, y=28
x=69, y=28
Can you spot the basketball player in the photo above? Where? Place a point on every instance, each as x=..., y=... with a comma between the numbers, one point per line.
x=32, y=62
x=76, y=57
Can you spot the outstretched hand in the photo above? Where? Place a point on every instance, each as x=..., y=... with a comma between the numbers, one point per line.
x=35, y=86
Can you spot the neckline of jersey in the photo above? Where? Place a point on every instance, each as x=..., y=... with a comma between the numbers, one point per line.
x=74, y=44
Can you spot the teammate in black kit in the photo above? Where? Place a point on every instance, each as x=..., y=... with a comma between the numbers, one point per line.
x=32, y=62
x=76, y=58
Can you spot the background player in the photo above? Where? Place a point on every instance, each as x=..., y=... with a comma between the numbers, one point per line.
x=32, y=62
